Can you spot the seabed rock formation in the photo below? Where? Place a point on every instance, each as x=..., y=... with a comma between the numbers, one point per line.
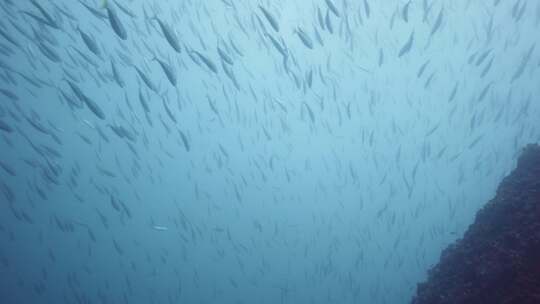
x=498, y=259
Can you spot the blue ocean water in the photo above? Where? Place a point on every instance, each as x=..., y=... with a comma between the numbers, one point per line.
x=233, y=151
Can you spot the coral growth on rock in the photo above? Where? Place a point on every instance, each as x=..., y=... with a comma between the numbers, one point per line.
x=498, y=259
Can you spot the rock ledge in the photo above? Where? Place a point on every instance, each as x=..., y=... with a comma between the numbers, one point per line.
x=498, y=259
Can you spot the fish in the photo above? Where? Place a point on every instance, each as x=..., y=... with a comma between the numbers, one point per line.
x=159, y=228
x=9, y=38
x=235, y=46
x=184, y=140
x=64, y=12
x=309, y=78
x=102, y=134
x=453, y=93
x=125, y=10
x=49, y=52
x=224, y=56
x=332, y=7
x=36, y=124
x=310, y=112
x=86, y=58
x=432, y=130
x=7, y=93
x=143, y=102
x=319, y=37
x=429, y=79
x=230, y=74
x=482, y=57
x=487, y=68
x=523, y=64
x=94, y=11
x=49, y=20
x=168, y=110
x=405, y=11
x=5, y=127
x=8, y=169
x=484, y=91
x=90, y=42
x=117, y=75
x=114, y=20
x=281, y=49
x=328, y=23
x=422, y=68
x=306, y=40
x=146, y=80
x=270, y=18
x=367, y=8
x=207, y=62
x=407, y=46
x=169, y=34
x=475, y=141
x=167, y=69
x=122, y=132
x=90, y=104
x=72, y=102
x=437, y=23
x=320, y=18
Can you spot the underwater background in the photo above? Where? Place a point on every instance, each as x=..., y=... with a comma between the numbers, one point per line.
x=222, y=151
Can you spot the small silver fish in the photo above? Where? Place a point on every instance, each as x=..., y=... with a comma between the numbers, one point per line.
x=160, y=228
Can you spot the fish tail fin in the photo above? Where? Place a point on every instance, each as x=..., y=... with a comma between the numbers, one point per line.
x=163, y=94
x=146, y=17
x=151, y=17
x=159, y=92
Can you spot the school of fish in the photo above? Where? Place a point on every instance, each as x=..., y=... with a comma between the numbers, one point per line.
x=235, y=151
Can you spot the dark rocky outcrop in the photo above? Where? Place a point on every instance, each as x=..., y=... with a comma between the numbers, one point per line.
x=498, y=259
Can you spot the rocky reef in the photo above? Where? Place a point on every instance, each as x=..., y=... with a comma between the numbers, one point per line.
x=498, y=258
